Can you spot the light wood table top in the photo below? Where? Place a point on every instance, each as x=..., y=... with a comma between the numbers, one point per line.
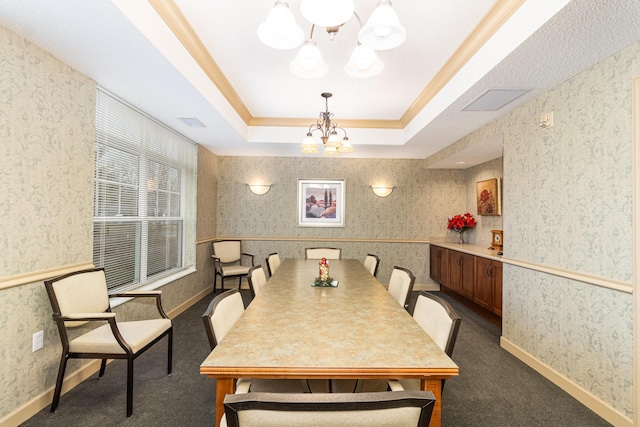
x=356, y=330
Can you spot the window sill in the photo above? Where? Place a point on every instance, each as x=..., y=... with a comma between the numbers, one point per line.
x=114, y=302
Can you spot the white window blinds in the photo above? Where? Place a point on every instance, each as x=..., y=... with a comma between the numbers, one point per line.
x=144, y=201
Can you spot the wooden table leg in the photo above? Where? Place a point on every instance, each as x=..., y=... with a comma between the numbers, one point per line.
x=224, y=386
x=434, y=386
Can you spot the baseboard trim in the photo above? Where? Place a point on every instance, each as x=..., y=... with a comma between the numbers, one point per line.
x=181, y=308
x=592, y=402
x=41, y=401
x=430, y=287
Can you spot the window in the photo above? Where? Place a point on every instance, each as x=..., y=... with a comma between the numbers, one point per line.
x=144, y=200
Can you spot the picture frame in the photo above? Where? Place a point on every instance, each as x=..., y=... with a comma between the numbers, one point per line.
x=489, y=197
x=321, y=202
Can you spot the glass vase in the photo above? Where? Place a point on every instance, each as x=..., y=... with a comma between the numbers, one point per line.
x=461, y=238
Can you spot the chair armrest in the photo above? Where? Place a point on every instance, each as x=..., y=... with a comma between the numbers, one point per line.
x=88, y=317
x=248, y=255
x=142, y=294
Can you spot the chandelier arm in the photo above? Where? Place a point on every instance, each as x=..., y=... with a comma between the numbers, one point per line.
x=359, y=20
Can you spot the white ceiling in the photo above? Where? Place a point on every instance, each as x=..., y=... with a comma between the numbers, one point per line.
x=251, y=104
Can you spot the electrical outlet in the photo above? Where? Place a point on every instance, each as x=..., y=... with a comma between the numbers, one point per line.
x=546, y=120
x=38, y=341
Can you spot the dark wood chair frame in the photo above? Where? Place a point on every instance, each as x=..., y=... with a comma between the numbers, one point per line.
x=218, y=265
x=128, y=355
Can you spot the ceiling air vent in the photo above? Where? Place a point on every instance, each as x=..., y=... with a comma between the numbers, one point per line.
x=494, y=99
x=192, y=122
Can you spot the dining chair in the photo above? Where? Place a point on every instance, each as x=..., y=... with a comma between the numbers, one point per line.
x=319, y=253
x=228, y=261
x=401, y=284
x=441, y=322
x=221, y=314
x=371, y=263
x=273, y=262
x=438, y=319
x=257, y=280
x=80, y=299
x=402, y=408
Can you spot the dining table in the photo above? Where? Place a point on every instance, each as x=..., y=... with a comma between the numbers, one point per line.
x=356, y=330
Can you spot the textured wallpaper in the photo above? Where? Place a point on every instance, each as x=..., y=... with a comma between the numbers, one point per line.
x=567, y=195
x=47, y=111
x=417, y=210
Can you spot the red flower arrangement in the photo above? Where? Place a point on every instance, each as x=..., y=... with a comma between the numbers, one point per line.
x=461, y=223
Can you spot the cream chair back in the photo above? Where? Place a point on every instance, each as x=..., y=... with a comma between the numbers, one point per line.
x=401, y=284
x=438, y=319
x=273, y=263
x=81, y=293
x=222, y=313
x=227, y=250
x=257, y=280
x=382, y=409
x=319, y=253
x=371, y=263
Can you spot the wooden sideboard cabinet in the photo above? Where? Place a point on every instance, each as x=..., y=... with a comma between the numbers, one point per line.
x=461, y=271
x=487, y=291
x=474, y=277
x=438, y=260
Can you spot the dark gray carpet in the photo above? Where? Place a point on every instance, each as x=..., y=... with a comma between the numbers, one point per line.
x=494, y=388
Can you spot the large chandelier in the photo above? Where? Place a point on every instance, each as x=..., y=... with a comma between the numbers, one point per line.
x=331, y=141
x=382, y=31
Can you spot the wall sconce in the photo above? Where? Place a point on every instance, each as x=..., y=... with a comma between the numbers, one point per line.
x=382, y=191
x=259, y=189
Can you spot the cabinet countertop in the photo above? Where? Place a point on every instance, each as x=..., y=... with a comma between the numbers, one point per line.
x=476, y=250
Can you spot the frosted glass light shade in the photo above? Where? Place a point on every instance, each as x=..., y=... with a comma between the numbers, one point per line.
x=280, y=30
x=383, y=29
x=327, y=13
x=334, y=140
x=309, y=63
x=382, y=191
x=363, y=63
x=346, y=146
x=259, y=189
x=309, y=145
x=330, y=151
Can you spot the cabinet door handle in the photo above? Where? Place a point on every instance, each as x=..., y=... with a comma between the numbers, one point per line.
x=489, y=270
x=459, y=260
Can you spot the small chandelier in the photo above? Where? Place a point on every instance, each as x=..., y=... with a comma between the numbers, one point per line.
x=332, y=143
x=382, y=31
